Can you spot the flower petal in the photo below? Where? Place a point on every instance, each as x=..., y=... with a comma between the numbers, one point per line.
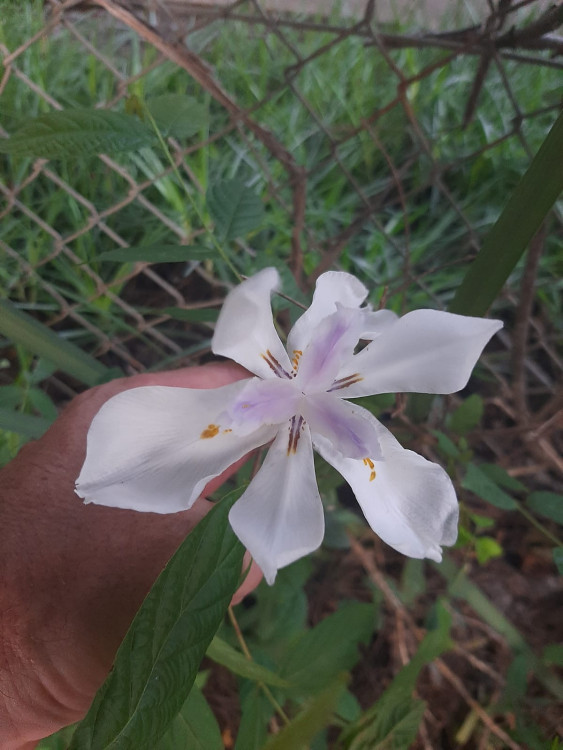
x=280, y=516
x=408, y=501
x=348, y=427
x=425, y=351
x=245, y=329
x=264, y=402
x=333, y=288
x=155, y=448
x=331, y=346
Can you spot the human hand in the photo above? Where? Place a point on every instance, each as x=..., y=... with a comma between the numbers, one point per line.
x=72, y=576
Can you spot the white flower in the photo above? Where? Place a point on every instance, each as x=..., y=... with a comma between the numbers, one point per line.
x=155, y=448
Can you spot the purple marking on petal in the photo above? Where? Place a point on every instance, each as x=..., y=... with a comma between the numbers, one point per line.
x=331, y=346
x=265, y=402
x=344, y=424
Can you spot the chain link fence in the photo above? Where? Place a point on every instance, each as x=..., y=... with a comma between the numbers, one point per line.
x=383, y=151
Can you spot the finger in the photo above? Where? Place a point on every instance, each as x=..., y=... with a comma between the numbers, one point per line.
x=253, y=578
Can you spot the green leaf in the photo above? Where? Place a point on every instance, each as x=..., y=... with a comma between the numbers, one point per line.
x=40, y=340
x=23, y=424
x=57, y=741
x=158, y=660
x=307, y=663
x=223, y=653
x=548, y=504
x=158, y=254
x=520, y=219
x=255, y=713
x=77, y=132
x=501, y=477
x=445, y=445
x=482, y=522
x=396, y=730
x=298, y=734
x=177, y=115
x=553, y=653
x=478, y=482
x=236, y=210
x=395, y=715
x=486, y=548
x=467, y=415
x=461, y=587
x=194, y=728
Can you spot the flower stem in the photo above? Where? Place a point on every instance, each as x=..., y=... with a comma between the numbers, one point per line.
x=539, y=526
x=245, y=650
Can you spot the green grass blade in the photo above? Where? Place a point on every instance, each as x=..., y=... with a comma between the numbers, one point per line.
x=461, y=587
x=40, y=340
x=520, y=219
x=159, y=253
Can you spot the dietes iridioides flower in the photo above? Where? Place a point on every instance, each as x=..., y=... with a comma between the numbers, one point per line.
x=155, y=448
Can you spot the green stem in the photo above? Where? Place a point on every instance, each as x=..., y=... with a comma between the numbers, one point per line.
x=245, y=650
x=539, y=526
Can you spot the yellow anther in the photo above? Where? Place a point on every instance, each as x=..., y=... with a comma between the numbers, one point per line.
x=372, y=476
x=210, y=431
x=226, y=431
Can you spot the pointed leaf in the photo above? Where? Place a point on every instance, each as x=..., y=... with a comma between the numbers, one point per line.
x=78, y=132
x=298, y=734
x=223, y=653
x=479, y=483
x=548, y=504
x=338, y=635
x=467, y=415
x=520, y=219
x=235, y=209
x=255, y=713
x=195, y=727
x=23, y=424
x=158, y=660
x=177, y=115
x=395, y=713
x=41, y=340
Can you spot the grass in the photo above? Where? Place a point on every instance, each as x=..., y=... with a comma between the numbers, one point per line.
x=416, y=244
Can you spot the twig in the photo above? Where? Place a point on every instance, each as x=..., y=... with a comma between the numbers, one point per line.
x=392, y=599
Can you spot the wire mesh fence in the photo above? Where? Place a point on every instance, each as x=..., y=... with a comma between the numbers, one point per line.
x=383, y=151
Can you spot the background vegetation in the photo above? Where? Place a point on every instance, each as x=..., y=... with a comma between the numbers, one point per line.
x=311, y=143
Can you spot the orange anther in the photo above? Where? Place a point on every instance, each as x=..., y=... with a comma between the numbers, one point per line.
x=210, y=431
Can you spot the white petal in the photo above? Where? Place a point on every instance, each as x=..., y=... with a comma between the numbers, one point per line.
x=155, y=448
x=245, y=329
x=332, y=345
x=408, y=501
x=280, y=516
x=333, y=288
x=374, y=322
x=348, y=427
x=264, y=402
x=425, y=351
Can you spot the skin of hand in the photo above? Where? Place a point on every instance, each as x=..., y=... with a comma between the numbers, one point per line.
x=72, y=576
